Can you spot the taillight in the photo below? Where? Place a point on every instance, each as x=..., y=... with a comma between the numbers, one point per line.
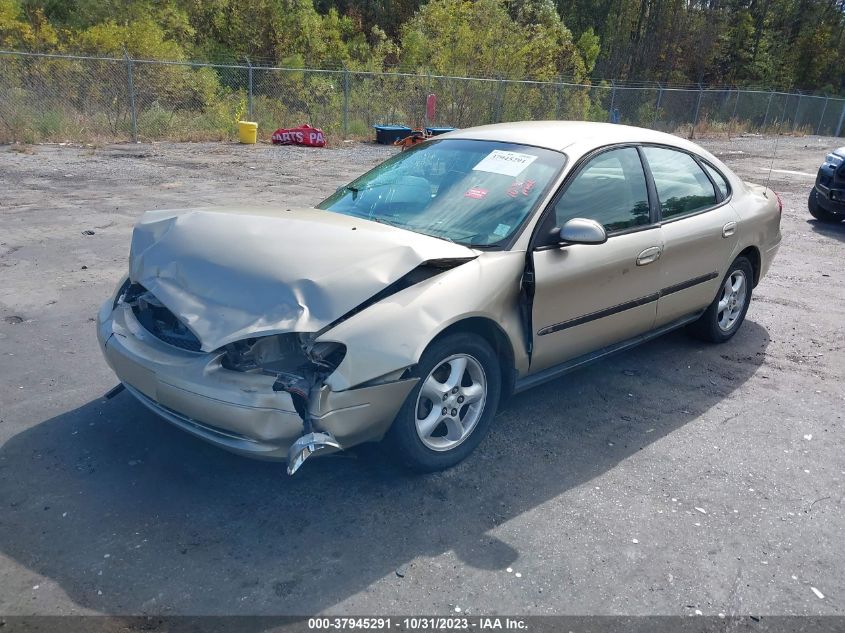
x=780, y=202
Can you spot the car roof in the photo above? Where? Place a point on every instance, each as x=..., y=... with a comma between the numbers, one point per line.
x=576, y=137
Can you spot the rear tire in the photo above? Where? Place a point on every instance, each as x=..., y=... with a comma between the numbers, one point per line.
x=817, y=212
x=726, y=314
x=451, y=408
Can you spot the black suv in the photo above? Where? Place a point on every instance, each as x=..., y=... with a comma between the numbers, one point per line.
x=827, y=199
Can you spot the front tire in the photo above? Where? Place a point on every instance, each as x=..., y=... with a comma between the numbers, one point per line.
x=451, y=408
x=726, y=314
x=817, y=212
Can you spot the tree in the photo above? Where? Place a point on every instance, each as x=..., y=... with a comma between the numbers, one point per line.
x=481, y=39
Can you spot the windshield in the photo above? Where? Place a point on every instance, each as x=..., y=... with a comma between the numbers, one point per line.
x=470, y=192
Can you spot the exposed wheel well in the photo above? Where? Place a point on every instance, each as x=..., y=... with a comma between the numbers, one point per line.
x=752, y=254
x=490, y=331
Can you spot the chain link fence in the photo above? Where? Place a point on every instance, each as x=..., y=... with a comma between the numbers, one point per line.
x=77, y=98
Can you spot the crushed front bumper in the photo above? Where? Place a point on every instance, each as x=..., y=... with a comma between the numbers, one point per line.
x=237, y=411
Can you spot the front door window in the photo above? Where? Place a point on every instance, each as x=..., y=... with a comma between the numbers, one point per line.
x=611, y=189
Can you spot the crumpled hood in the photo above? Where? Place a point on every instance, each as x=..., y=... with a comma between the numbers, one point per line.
x=232, y=274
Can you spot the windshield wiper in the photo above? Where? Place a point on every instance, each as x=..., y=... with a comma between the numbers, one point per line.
x=381, y=220
x=436, y=235
x=405, y=227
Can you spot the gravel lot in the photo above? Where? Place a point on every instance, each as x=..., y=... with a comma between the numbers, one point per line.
x=672, y=478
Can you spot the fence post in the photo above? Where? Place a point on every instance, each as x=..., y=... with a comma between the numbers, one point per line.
x=697, y=108
x=249, y=89
x=345, y=101
x=736, y=104
x=500, y=97
x=841, y=118
x=131, y=88
x=559, y=112
x=657, y=105
x=612, y=100
x=795, y=117
x=768, y=105
x=821, y=118
x=783, y=112
x=428, y=92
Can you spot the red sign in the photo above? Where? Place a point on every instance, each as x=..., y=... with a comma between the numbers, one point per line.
x=431, y=107
x=303, y=135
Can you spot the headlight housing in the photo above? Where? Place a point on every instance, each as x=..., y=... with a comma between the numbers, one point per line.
x=834, y=160
x=298, y=363
x=283, y=353
x=120, y=294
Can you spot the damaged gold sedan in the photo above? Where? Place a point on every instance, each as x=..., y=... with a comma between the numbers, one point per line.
x=408, y=304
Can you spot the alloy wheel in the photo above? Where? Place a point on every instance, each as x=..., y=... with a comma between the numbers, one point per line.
x=732, y=300
x=450, y=402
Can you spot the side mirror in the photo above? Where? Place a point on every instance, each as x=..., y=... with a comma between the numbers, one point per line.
x=583, y=231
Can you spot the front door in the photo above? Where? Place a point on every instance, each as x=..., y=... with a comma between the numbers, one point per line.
x=589, y=296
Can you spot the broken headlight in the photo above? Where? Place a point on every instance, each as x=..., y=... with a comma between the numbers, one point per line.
x=283, y=353
x=127, y=292
x=297, y=362
x=121, y=293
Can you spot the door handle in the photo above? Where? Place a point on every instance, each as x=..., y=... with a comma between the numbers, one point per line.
x=729, y=229
x=651, y=254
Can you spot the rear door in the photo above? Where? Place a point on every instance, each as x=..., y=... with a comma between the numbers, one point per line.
x=589, y=296
x=698, y=230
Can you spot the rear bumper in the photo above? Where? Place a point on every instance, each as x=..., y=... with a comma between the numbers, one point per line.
x=767, y=257
x=235, y=410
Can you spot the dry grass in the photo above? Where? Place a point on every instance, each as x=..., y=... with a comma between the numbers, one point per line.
x=22, y=148
x=707, y=128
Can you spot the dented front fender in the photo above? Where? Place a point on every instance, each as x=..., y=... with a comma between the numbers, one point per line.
x=393, y=333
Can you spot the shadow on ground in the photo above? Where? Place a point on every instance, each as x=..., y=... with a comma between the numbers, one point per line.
x=163, y=523
x=828, y=229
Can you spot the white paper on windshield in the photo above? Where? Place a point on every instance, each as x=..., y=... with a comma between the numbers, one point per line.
x=506, y=163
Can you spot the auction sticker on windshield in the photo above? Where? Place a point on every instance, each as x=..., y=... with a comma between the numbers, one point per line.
x=502, y=230
x=506, y=163
x=476, y=193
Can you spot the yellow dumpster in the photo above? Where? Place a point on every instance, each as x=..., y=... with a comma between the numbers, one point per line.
x=248, y=131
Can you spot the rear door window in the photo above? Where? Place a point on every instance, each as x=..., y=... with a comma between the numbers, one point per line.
x=718, y=179
x=682, y=186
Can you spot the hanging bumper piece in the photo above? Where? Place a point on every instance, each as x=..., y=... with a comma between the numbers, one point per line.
x=308, y=445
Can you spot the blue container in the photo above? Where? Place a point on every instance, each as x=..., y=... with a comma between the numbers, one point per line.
x=437, y=131
x=389, y=134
